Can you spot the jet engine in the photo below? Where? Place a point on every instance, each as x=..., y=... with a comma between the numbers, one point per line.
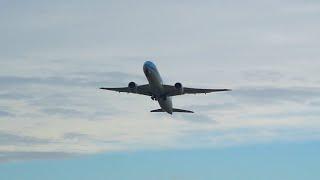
x=133, y=87
x=179, y=87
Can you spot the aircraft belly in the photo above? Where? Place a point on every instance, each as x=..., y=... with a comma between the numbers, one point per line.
x=166, y=105
x=155, y=83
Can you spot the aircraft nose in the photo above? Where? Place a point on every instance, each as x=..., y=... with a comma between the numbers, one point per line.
x=147, y=63
x=146, y=66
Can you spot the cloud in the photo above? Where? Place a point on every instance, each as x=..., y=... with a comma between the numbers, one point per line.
x=78, y=79
x=5, y=113
x=196, y=118
x=22, y=156
x=262, y=95
x=14, y=96
x=75, y=120
x=216, y=106
x=263, y=75
x=7, y=139
x=61, y=111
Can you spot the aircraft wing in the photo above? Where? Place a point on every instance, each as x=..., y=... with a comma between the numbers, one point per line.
x=172, y=91
x=142, y=90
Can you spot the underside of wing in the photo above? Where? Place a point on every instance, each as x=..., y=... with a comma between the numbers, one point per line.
x=174, y=91
x=142, y=90
x=197, y=91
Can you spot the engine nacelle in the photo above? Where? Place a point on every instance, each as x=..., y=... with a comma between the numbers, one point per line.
x=133, y=87
x=179, y=87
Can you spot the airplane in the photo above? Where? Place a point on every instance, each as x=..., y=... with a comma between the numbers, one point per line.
x=159, y=91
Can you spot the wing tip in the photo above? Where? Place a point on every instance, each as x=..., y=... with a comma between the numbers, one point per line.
x=104, y=88
x=224, y=89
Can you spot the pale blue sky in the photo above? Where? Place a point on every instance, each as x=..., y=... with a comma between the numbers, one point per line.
x=54, y=55
x=262, y=162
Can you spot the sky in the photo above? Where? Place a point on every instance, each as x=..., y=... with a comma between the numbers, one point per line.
x=55, y=123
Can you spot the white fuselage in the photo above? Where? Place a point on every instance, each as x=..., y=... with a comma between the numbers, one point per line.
x=156, y=86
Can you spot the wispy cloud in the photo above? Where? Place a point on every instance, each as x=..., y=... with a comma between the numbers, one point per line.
x=21, y=156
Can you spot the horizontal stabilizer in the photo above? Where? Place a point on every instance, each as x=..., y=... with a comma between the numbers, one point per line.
x=173, y=110
x=182, y=110
x=157, y=110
